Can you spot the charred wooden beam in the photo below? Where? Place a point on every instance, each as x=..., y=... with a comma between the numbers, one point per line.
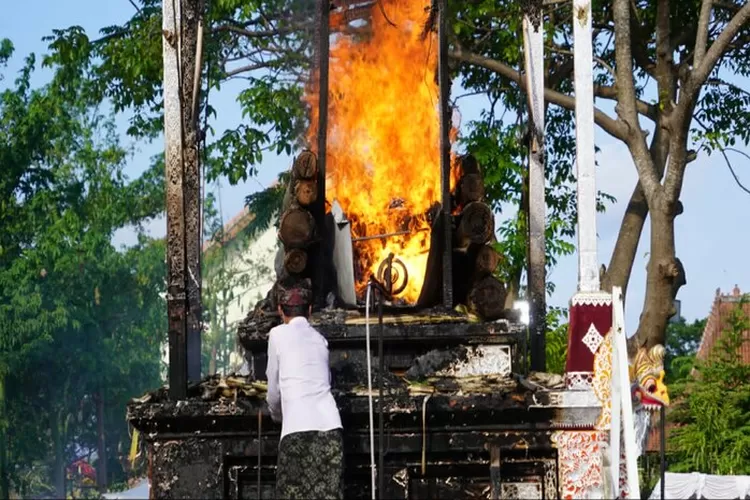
x=445, y=150
x=176, y=294
x=180, y=27
x=191, y=12
x=533, y=34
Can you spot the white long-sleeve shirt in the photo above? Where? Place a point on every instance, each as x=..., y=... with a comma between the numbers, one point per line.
x=299, y=379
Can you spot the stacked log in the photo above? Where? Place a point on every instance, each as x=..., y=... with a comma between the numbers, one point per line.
x=297, y=229
x=474, y=233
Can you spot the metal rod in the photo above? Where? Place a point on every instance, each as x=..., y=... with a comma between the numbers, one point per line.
x=381, y=368
x=260, y=448
x=663, y=450
x=198, y=67
x=445, y=152
x=388, y=235
x=323, y=54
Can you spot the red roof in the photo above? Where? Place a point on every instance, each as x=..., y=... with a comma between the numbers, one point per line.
x=717, y=322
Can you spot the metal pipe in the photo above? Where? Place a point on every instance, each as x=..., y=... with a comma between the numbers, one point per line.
x=260, y=448
x=323, y=54
x=381, y=367
x=198, y=67
x=663, y=450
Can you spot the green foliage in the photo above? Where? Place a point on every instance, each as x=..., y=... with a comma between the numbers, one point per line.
x=557, y=339
x=683, y=340
x=80, y=320
x=260, y=41
x=712, y=434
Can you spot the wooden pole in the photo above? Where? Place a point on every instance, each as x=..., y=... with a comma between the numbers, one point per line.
x=180, y=25
x=533, y=31
x=445, y=151
x=176, y=293
x=588, y=269
x=189, y=71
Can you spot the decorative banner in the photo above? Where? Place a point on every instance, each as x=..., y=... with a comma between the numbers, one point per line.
x=590, y=321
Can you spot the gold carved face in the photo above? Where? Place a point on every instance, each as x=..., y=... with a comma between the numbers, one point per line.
x=647, y=376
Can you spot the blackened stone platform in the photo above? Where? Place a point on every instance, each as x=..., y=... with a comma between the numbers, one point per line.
x=465, y=424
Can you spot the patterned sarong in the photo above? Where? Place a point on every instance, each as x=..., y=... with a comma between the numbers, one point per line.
x=311, y=466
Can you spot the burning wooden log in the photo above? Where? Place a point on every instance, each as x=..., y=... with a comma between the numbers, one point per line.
x=306, y=192
x=305, y=166
x=470, y=188
x=296, y=228
x=295, y=261
x=469, y=165
x=477, y=225
x=487, y=299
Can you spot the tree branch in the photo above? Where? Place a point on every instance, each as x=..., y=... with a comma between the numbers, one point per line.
x=607, y=123
x=731, y=169
x=703, y=69
x=627, y=108
x=701, y=37
x=610, y=92
x=681, y=118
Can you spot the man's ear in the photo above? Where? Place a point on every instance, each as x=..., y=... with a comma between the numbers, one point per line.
x=280, y=311
x=309, y=310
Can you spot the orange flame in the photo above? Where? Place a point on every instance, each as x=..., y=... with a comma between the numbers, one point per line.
x=383, y=153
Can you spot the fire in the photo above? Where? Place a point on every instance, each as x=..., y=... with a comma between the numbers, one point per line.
x=383, y=156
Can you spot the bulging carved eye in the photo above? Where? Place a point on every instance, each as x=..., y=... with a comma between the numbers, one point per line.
x=651, y=388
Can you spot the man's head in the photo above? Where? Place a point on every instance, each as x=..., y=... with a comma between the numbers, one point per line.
x=294, y=299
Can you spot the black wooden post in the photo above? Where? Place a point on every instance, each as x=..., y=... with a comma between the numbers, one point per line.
x=180, y=22
x=445, y=151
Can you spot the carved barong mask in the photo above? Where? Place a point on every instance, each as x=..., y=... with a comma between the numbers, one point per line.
x=647, y=378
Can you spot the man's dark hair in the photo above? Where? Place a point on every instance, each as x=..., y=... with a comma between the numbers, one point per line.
x=295, y=311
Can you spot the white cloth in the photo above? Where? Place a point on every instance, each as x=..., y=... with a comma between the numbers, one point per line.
x=299, y=379
x=703, y=486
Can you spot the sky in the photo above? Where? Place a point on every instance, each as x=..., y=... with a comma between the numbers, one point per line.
x=710, y=238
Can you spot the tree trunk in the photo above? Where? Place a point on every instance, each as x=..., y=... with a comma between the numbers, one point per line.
x=662, y=272
x=626, y=248
x=101, y=470
x=58, y=448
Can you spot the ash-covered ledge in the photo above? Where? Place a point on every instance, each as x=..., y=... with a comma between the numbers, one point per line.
x=207, y=446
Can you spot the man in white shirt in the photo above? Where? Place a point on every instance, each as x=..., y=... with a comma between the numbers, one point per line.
x=311, y=456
